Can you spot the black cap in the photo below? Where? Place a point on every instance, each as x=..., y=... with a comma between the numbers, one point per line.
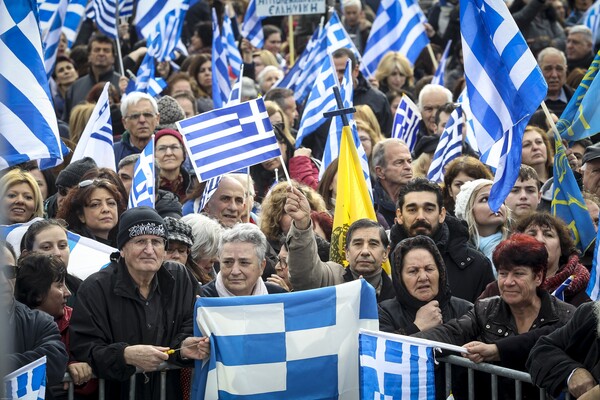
x=140, y=221
x=591, y=153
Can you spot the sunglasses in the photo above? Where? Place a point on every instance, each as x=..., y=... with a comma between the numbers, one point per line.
x=10, y=271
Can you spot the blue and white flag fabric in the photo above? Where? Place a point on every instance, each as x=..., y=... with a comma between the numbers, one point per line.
x=230, y=138
x=321, y=99
x=104, y=13
x=96, y=141
x=438, y=77
x=591, y=19
x=51, y=36
x=313, y=64
x=304, y=344
x=338, y=37
x=28, y=382
x=567, y=201
x=72, y=19
x=470, y=139
x=235, y=96
x=220, y=71
x=593, y=289
x=211, y=187
x=292, y=77
x=504, y=86
x=169, y=15
x=28, y=125
x=86, y=255
x=143, y=186
x=252, y=26
x=398, y=26
x=393, y=369
x=559, y=293
x=449, y=147
x=332, y=146
x=406, y=122
x=571, y=125
x=234, y=58
x=156, y=86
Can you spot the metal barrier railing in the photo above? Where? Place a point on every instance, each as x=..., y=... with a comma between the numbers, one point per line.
x=495, y=371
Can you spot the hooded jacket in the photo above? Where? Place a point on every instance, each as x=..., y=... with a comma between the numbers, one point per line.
x=468, y=270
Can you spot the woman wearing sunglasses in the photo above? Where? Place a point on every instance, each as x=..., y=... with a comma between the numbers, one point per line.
x=92, y=209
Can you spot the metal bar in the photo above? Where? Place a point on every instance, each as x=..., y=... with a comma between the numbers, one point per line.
x=448, y=370
x=101, y=389
x=489, y=368
x=494, y=387
x=518, y=390
x=71, y=392
x=163, y=385
x=132, y=387
x=471, y=375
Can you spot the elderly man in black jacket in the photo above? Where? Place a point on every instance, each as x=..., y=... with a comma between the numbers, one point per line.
x=137, y=312
x=420, y=212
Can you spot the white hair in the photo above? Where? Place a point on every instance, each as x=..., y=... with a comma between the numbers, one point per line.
x=356, y=3
x=134, y=98
x=431, y=88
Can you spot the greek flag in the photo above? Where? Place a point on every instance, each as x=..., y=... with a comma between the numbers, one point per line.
x=593, y=289
x=337, y=36
x=104, y=13
x=72, y=19
x=51, y=36
x=449, y=147
x=252, y=26
x=156, y=86
x=292, y=78
x=28, y=126
x=28, y=382
x=211, y=187
x=234, y=58
x=86, y=255
x=559, y=293
x=235, y=96
x=438, y=77
x=406, y=122
x=230, y=138
x=149, y=14
x=304, y=344
x=332, y=146
x=568, y=122
x=591, y=19
x=398, y=26
x=463, y=100
x=567, y=200
x=309, y=72
x=504, y=86
x=142, y=189
x=220, y=72
x=97, y=138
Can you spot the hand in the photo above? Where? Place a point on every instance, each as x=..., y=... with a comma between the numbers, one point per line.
x=196, y=348
x=374, y=82
x=145, y=357
x=247, y=49
x=429, y=30
x=581, y=381
x=80, y=372
x=591, y=394
x=429, y=316
x=123, y=81
x=297, y=207
x=573, y=161
x=303, y=151
x=480, y=352
x=276, y=279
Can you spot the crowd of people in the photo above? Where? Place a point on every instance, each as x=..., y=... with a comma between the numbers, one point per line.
x=460, y=273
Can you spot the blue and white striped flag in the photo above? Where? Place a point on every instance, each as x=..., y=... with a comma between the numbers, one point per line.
x=211, y=187
x=252, y=26
x=406, y=122
x=235, y=96
x=559, y=293
x=449, y=147
x=338, y=37
x=463, y=100
x=332, y=146
x=398, y=26
x=156, y=86
x=72, y=20
x=143, y=186
x=229, y=139
x=104, y=13
x=591, y=19
x=28, y=125
x=292, y=77
x=150, y=14
x=438, y=77
x=304, y=344
x=321, y=99
x=220, y=71
x=28, y=382
x=395, y=367
x=312, y=67
x=504, y=86
x=234, y=58
x=96, y=140
x=51, y=36
x=593, y=289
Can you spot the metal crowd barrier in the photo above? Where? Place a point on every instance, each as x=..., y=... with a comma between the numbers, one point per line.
x=495, y=371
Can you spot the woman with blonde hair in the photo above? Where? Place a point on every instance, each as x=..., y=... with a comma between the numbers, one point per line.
x=394, y=72
x=80, y=115
x=366, y=114
x=262, y=58
x=537, y=152
x=368, y=137
x=21, y=197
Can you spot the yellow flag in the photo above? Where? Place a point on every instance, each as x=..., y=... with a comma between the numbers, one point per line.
x=352, y=202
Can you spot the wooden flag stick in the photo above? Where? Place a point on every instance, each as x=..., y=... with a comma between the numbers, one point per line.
x=291, y=39
x=432, y=55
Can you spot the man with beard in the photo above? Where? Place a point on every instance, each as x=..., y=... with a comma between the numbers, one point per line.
x=420, y=212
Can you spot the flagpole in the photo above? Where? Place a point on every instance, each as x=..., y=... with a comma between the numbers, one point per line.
x=122, y=69
x=433, y=59
x=549, y=117
x=291, y=39
x=285, y=171
x=248, y=187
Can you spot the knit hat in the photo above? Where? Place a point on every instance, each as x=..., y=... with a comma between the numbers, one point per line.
x=463, y=197
x=139, y=221
x=71, y=175
x=170, y=112
x=171, y=132
x=179, y=231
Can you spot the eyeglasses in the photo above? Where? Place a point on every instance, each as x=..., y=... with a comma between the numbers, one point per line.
x=136, y=116
x=173, y=148
x=141, y=244
x=10, y=271
x=282, y=262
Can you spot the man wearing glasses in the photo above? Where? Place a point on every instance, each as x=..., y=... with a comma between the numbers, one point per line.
x=140, y=118
x=137, y=313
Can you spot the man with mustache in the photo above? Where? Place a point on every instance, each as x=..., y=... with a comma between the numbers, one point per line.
x=553, y=64
x=420, y=212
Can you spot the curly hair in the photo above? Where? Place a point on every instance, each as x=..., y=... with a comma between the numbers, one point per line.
x=35, y=276
x=471, y=167
x=194, y=68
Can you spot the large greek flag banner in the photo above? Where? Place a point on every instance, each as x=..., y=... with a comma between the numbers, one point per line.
x=391, y=367
x=28, y=382
x=301, y=345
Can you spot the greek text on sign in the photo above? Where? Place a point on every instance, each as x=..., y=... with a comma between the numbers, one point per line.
x=269, y=8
